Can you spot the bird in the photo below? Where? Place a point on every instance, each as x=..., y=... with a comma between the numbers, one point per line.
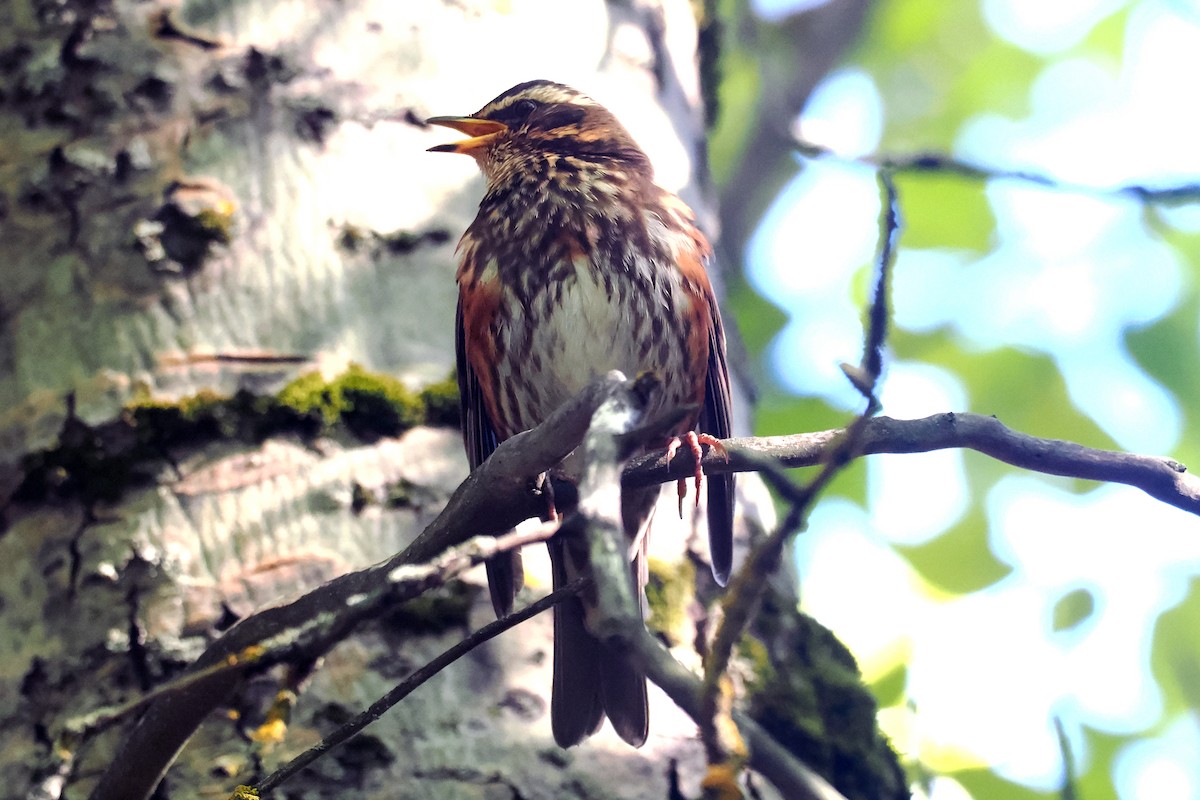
x=576, y=264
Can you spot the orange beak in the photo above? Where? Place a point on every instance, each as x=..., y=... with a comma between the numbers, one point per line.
x=481, y=131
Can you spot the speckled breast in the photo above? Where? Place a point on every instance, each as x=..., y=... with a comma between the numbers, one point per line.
x=580, y=326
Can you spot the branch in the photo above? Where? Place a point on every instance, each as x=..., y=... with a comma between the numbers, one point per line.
x=746, y=592
x=789, y=775
x=415, y=679
x=497, y=496
x=493, y=499
x=617, y=617
x=1162, y=478
x=802, y=49
x=936, y=163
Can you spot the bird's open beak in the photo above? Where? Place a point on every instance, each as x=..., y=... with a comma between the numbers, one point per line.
x=481, y=131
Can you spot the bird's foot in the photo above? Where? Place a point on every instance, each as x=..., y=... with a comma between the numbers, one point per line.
x=694, y=440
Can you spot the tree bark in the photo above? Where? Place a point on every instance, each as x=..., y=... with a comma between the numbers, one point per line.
x=198, y=204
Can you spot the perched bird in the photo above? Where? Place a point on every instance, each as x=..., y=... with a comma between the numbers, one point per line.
x=577, y=264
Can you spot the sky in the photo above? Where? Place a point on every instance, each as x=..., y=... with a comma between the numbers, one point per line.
x=1094, y=124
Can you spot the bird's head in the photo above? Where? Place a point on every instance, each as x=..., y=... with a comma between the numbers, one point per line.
x=533, y=126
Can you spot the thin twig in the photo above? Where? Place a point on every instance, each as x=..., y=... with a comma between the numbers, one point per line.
x=615, y=615
x=748, y=588
x=890, y=223
x=937, y=163
x=415, y=679
x=1070, y=781
x=792, y=777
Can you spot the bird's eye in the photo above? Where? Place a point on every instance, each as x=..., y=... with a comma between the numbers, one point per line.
x=523, y=108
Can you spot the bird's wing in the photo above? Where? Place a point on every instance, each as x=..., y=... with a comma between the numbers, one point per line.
x=479, y=434
x=505, y=571
x=715, y=420
x=705, y=325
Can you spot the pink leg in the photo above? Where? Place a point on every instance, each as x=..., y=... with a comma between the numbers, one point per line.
x=694, y=440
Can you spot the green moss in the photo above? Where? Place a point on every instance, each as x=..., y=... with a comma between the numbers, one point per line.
x=369, y=404
x=668, y=592
x=373, y=405
x=98, y=464
x=442, y=402
x=759, y=658
x=806, y=691
x=158, y=423
x=309, y=396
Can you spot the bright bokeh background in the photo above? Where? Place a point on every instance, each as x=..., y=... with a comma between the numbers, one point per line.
x=987, y=605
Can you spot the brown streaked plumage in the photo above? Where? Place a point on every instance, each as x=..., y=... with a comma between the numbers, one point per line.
x=576, y=264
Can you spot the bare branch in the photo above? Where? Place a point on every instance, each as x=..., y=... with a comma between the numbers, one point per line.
x=924, y=163
x=410, y=683
x=1162, y=478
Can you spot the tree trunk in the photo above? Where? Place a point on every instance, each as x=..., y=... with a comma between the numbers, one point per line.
x=201, y=206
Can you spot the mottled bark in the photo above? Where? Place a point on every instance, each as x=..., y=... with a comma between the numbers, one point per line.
x=217, y=198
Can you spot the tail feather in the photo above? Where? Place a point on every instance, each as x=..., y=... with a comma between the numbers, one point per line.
x=622, y=685
x=624, y=691
x=593, y=679
x=576, y=703
x=506, y=576
x=720, y=524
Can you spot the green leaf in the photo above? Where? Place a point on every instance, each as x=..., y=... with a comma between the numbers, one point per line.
x=945, y=211
x=1173, y=658
x=758, y=319
x=1072, y=609
x=960, y=560
x=1162, y=349
x=889, y=688
x=1108, y=36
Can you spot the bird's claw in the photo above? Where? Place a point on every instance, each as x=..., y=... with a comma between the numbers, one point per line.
x=694, y=440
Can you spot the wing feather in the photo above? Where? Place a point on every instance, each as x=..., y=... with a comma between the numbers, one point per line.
x=505, y=572
x=715, y=421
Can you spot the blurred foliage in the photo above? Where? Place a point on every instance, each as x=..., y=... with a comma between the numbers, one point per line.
x=1072, y=609
x=938, y=66
x=738, y=98
x=1174, y=659
x=959, y=561
x=1161, y=346
x=945, y=211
